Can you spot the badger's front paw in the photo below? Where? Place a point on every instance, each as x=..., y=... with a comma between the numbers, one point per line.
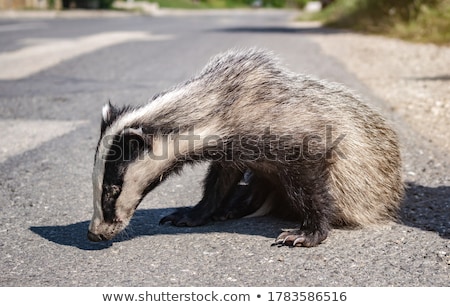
x=185, y=217
x=299, y=237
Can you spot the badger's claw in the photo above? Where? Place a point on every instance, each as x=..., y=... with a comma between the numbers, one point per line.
x=300, y=237
x=184, y=217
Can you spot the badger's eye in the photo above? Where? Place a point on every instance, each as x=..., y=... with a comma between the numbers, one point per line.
x=115, y=190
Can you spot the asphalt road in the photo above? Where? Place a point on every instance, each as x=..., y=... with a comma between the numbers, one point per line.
x=57, y=74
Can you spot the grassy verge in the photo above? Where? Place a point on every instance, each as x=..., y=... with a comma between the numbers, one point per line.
x=200, y=4
x=415, y=20
x=220, y=4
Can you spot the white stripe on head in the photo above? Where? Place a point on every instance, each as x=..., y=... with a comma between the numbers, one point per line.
x=99, y=170
x=153, y=165
x=97, y=183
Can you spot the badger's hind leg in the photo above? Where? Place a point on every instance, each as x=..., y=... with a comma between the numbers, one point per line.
x=246, y=198
x=220, y=181
x=309, y=196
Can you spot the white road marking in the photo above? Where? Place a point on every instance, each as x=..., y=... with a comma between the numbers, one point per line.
x=19, y=136
x=29, y=60
x=22, y=26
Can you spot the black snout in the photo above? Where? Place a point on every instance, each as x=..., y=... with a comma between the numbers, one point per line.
x=95, y=238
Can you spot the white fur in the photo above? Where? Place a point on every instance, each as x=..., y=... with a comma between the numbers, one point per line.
x=106, y=110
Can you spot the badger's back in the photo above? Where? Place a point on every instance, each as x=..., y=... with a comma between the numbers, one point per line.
x=257, y=93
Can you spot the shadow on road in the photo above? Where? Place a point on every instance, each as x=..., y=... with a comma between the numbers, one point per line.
x=427, y=208
x=424, y=208
x=71, y=235
x=145, y=222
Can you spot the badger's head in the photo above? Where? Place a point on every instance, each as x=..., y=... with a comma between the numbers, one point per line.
x=123, y=172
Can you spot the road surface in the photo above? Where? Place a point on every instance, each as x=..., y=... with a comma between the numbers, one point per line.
x=55, y=76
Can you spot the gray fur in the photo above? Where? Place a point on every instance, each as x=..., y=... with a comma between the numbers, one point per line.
x=348, y=172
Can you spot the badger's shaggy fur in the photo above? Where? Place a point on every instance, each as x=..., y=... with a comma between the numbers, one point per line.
x=309, y=148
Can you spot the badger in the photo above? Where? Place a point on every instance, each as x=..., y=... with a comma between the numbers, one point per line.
x=276, y=141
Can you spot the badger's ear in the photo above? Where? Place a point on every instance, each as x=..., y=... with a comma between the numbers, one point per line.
x=140, y=135
x=134, y=142
x=109, y=114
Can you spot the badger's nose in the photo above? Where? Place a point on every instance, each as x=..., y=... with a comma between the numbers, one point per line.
x=94, y=237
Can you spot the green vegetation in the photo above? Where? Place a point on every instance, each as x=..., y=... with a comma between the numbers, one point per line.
x=200, y=4
x=415, y=20
x=105, y=4
x=214, y=4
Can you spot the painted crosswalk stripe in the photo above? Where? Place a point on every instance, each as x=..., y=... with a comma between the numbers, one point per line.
x=22, y=63
x=19, y=136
